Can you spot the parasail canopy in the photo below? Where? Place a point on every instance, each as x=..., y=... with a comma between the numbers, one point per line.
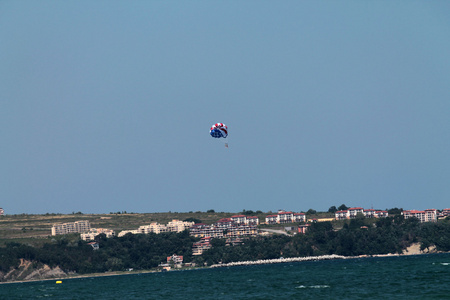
x=219, y=130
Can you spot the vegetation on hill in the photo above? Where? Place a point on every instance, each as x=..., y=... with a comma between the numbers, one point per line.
x=139, y=251
x=36, y=229
x=356, y=237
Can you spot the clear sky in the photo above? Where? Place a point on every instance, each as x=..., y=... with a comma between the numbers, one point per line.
x=106, y=106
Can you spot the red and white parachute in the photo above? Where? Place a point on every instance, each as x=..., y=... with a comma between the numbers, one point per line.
x=219, y=130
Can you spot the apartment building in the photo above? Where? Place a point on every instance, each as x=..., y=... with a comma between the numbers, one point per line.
x=73, y=227
x=176, y=259
x=303, y=228
x=284, y=217
x=427, y=215
x=242, y=219
x=124, y=232
x=93, y=232
x=354, y=211
x=271, y=219
x=224, y=228
x=178, y=226
x=239, y=219
x=351, y=213
x=155, y=227
x=199, y=247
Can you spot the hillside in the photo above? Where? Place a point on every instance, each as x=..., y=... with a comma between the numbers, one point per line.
x=30, y=253
x=35, y=229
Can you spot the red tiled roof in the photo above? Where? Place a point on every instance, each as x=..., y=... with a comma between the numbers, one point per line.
x=415, y=211
x=225, y=220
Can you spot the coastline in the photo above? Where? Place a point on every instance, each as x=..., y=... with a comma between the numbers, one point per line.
x=412, y=250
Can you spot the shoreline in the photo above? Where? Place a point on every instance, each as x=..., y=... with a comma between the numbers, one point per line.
x=231, y=264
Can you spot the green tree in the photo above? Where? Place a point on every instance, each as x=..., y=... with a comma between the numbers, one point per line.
x=395, y=211
x=342, y=207
x=332, y=209
x=191, y=219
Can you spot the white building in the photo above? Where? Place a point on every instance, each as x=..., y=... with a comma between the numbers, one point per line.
x=242, y=219
x=299, y=217
x=199, y=247
x=94, y=245
x=351, y=213
x=224, y=228
x=285, y=217
x=354, y=211
x=239, y=219
x=178, y=226
x=427, y=215
x=252, y=220
x=75, y=227
x=271, y=219
x=124, y=232
x=155, y=227
x=89, y=236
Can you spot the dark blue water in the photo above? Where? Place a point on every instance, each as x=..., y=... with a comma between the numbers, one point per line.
x=405, y=277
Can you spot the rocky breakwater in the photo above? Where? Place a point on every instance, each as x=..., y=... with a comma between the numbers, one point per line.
x=279, y=260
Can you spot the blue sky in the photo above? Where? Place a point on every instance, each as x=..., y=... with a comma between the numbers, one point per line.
x=106, y=105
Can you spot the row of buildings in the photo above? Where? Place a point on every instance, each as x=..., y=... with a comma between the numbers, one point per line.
x=233, y=229
x=237, y=226
x=283, y=217
x=224, y=228
x=83, y=227
x=155, y=227
x=243, y=219
x=72, y=227
x=93, y=232
x=352, y=212
x=427, y=215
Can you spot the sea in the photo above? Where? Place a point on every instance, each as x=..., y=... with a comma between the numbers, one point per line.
x=395, y=277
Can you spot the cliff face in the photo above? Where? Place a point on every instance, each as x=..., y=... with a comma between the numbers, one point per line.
x=414, y=249
x=29, y=271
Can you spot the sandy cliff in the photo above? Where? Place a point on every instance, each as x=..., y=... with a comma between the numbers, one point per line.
x=415, y=249
x=29, y=271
